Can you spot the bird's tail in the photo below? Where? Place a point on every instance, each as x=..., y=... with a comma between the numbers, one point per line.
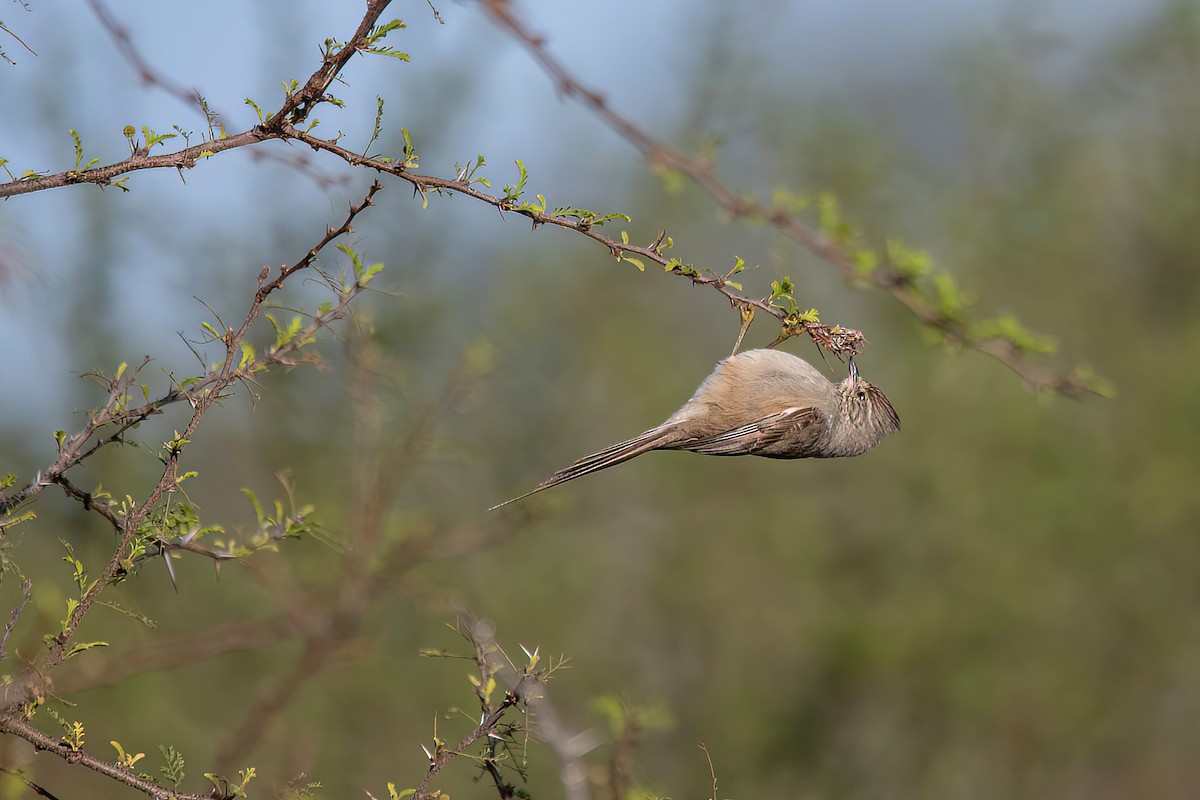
x=621, y=452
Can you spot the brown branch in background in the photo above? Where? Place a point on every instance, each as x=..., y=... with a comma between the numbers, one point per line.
x=274, y=695
x=147, y=74
x=701, y=172
x=227, y=637
x=15, y=614
x=300, y=162
x=38, y=790
x=20, y=41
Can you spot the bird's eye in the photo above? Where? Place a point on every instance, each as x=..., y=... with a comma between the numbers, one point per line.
x=862, y=395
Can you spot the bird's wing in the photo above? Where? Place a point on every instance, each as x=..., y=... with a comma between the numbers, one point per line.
x=759, y=437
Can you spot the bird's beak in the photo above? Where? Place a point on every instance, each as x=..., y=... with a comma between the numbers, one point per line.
x=853, y=369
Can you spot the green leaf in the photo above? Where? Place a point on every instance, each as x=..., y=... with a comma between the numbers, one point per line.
x=79, y=648
x=908, y=262
x=78, y=148
x=257, y=110
x=512, y=193
x=153, y=138
x=248, y=355
x=865, y=262
x=369, y=273
x=411, y=159
x=172, y=768
x=1102, y=386
x=258, y=509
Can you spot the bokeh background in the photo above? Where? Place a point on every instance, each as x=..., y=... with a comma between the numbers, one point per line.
x=999, y=602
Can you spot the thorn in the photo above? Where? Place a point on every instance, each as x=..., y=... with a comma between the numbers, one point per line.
x=170, y=567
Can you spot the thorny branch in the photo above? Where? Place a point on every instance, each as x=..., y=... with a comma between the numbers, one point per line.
x=702, y=173
x=19, y=726
x=526, y=690
x=834, y=337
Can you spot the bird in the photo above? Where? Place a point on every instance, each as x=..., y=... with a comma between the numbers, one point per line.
x=761, y=403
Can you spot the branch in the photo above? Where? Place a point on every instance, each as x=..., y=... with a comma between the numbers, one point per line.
x=701, y=172
x=836, y=338
x=296, y=108
x=21, y=728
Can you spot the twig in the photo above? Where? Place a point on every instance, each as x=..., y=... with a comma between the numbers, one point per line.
x=21, y=41
x=40, y=791
x=711, y=769
x=89, y=503
x=15, y=614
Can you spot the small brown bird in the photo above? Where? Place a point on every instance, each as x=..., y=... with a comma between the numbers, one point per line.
x=759, y=403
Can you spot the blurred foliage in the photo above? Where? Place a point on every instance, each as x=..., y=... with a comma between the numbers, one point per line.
x=998, y=603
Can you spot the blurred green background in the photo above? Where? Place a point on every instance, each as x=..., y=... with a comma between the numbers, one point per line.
x=999, y=602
